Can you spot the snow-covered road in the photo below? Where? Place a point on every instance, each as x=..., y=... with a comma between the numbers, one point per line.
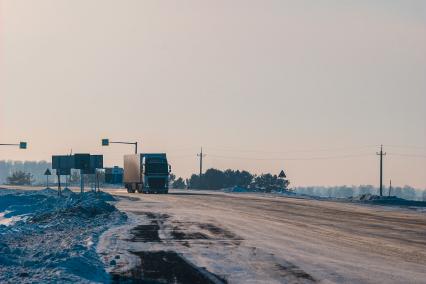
x=251, y=238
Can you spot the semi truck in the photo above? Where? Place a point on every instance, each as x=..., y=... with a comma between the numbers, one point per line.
x=146, y=173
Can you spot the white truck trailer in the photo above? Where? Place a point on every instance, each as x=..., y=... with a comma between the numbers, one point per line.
x=146, y=173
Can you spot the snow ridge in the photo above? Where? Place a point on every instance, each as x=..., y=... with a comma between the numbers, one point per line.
x=54, y=238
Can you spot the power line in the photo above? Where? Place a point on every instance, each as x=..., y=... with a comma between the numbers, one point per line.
x=293, y=151
x=182, y=149
x=182, y=156
x=296, y=158
x=408, y=155
x=406, y=146
x=291, y=159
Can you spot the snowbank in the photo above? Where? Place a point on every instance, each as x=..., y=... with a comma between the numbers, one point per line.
x=236, y=189
x=240, y=189
x=372, y=199
x=386, y=200
x=53, y=239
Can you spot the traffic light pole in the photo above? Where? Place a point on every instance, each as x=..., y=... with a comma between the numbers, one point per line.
x=107, y=142
x=21, y=145
x=128, y=143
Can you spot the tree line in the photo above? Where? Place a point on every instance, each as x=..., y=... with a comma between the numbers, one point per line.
x=32, y=173
x=35, y=168
x=405, y=192
x=215, y=179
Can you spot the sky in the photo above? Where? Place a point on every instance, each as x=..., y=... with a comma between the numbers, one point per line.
x=311, y=87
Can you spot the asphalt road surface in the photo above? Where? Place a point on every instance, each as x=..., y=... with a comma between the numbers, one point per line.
x=251, y=238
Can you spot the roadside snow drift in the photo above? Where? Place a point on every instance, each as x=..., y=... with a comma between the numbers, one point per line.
x=52, y=239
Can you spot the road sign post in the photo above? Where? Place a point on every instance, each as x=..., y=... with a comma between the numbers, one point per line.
x=82, y=162
x=62, y=164
x=97, y=181
x=59, y=184
x=47, y=173
x=66, y=182
x=81, y=181
x=283, y=177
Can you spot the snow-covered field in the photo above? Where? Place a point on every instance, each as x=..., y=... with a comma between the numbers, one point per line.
x=49, y=239
x=389, y=202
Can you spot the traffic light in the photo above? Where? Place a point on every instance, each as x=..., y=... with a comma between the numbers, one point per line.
x=22, y=145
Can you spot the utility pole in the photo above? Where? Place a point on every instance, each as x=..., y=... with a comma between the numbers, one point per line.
x=390, y=187
x=381, y=154
x=201, y=155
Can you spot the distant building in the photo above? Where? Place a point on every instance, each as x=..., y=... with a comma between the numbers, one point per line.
x=114, y=175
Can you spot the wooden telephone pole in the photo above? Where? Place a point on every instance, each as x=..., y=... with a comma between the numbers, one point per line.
x=201, y=155
x=381, y=154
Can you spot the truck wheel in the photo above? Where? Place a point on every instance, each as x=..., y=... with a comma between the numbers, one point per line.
x=130, y=189
x=140, y=188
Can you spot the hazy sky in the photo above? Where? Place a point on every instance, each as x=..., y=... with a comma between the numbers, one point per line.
x=262, y=85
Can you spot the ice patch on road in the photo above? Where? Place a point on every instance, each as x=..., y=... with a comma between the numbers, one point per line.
x=52, y=239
